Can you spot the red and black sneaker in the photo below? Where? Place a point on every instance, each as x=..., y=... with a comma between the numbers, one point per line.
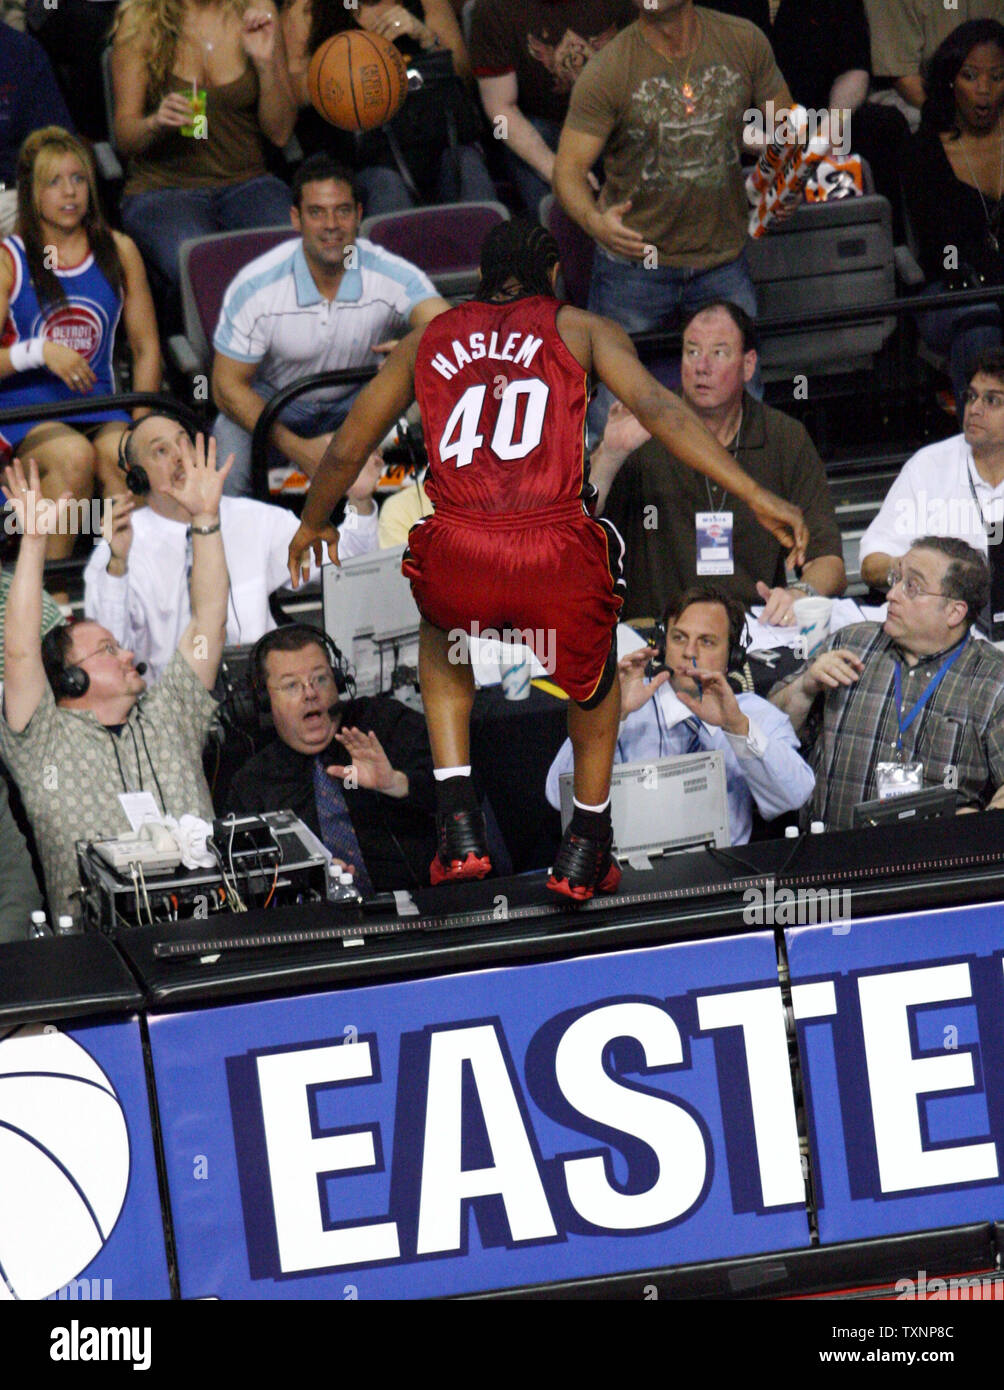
x=463, y=848
x=584, y=866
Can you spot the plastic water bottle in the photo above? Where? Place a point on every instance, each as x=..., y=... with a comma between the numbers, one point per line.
x=39, y=925
x=64, y=925
x=341, y=888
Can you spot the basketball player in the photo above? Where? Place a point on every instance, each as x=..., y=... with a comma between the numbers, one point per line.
x=502, y=386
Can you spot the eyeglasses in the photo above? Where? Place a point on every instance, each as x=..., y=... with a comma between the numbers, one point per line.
x=293, y=689
x=993, y=400
x=109, y=649
x=910, y=587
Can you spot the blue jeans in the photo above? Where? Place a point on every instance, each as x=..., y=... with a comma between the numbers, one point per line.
x=382, y=189
x=161, y=220
x=307, y=418
x=962, y=334
x=641, y=299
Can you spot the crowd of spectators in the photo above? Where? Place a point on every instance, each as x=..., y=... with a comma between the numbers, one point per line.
x=631, y=112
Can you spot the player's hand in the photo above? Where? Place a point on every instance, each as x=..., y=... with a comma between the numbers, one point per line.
x=635, y=689
x=624, y=432
x=173, y=112
x=116, y=525
x=779, y=605
x=718, y=705
x=830, y=670
x=612, y=232
x=308, y=540
x=783, y=521
x=371, y=768
x=72, y=369
x=258, y=35
x=36, y=516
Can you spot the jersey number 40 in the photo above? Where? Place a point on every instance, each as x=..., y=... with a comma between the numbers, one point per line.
x=461, y=435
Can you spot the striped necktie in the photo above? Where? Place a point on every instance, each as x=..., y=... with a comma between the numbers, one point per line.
x=337, y=831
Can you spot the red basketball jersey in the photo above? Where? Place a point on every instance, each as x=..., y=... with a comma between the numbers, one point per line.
x=503, y=406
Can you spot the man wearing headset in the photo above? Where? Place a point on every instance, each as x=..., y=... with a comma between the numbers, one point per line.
x=691, y=706
x=358, y=772
x=136, y=581
x=93, y=753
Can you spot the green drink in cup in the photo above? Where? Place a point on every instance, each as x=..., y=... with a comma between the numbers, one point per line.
x=197, y=126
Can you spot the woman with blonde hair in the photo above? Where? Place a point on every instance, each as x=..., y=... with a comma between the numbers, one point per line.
x=199, y=87
x=65, y=280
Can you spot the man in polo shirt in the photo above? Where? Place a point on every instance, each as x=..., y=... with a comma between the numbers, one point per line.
x=915, y=703
x=324, y=303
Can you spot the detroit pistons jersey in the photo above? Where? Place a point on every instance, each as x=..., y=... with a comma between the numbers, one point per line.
x=503, y=406
x=85, y=321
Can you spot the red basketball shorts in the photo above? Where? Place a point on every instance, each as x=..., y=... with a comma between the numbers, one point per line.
x=553, y=576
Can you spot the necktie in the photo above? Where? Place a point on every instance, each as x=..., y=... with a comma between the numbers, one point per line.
x=337, y=832
x=694, y=727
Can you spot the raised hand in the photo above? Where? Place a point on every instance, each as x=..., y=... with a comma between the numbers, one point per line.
x=72, y=369
x=371, y=767
x=258, y=35
x=36, y=516
x=635, y=690
x=116, y=525
x=202, y=488
x=624, y=432
x=718, y=706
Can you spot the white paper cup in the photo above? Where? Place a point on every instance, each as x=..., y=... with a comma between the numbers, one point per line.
x=813, y=618
x=515, y=670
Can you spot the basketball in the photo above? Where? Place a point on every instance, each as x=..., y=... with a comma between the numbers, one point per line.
x=357, y=80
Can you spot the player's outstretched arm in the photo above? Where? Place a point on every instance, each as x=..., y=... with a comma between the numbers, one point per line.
x=381, y=401
x=675, y=425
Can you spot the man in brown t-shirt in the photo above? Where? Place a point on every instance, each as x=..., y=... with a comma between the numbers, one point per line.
x=660, y=510
x=665, y=103
x=526, y=58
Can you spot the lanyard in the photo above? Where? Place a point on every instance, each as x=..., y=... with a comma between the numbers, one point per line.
x=987, y=525
x=922, y=701
x=733, y=449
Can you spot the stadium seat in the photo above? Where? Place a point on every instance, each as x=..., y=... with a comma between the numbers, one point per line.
x=832, y=255
x=208, y=264
x=444, y=240
x=574, y=247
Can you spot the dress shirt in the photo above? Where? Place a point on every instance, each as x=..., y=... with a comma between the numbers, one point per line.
x=765, y=768
x=148, y=608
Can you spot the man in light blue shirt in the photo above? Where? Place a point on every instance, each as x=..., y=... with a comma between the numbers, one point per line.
x=691, y=706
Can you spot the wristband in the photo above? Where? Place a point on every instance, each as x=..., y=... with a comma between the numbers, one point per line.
x=206, y=530
x=27, y=355
x=804, y=588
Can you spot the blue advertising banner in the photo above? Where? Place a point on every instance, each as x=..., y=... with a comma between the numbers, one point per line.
x=485, y=1130
x=80, y=1214
x=901, y=1033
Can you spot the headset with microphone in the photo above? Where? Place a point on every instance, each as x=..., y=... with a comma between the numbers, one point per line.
x=344, y=684
x=137, y=480
x=68, y=681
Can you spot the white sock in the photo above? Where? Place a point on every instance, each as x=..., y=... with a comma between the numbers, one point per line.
x=583, y=807
x=441, y=773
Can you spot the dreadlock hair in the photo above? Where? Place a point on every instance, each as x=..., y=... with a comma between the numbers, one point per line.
x=518, y=250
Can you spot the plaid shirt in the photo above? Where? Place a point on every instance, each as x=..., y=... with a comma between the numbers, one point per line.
x=961, y=726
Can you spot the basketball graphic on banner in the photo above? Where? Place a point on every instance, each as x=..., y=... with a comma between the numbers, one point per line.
x=64, y=1161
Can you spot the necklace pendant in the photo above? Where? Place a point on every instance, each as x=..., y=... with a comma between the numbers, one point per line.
x=689, y=105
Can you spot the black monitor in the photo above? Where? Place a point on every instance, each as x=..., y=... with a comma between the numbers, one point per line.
x=933, y=803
